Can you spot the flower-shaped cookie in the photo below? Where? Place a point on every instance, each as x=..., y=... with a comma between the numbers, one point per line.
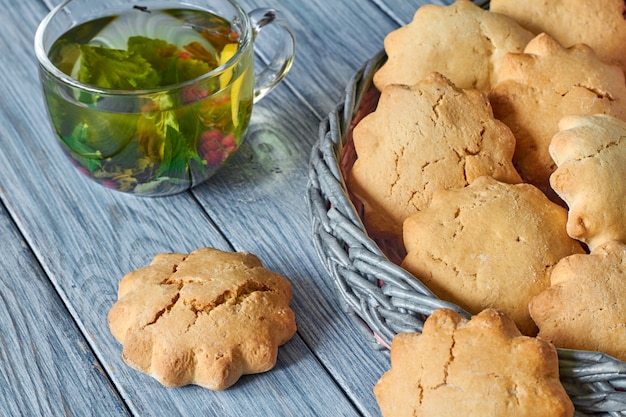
x=488, y=245
x=584, y=308
x=535, y=89
x=590, y=152
x=476, y=368
x=461, y=41
x=205, y=318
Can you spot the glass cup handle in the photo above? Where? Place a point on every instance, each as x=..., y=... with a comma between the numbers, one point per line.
x=280, y=64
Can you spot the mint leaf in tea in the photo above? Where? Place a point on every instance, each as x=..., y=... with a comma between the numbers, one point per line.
x=149, y=122
x=116, y=69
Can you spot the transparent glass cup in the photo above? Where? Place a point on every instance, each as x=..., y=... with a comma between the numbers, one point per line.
x=131, y=133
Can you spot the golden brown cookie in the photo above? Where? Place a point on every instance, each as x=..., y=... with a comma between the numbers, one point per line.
x=205, y=318
x=462, y=41
x=421, y=138
x=476, y=368
x=535, y=89
x=488, y=245
x=584, y=308
x=590, y=152
x=597, y=23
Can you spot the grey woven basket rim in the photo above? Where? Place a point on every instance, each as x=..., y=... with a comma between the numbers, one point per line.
x=595, y=382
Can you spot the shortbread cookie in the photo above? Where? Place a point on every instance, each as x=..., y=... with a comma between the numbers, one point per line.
x=422, y=138
x=205, y=318
x=597, y=23
x=590, y=152
x=462, y=41
x=546, y=82
x=476, y=368
x=488, y=245
x=584, y=308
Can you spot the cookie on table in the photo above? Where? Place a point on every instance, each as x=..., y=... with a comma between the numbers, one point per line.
x=597, y=23
x=584, y=308
x=590, y=152
x=421, y=138
x=461, y=41
x=546, y=82
x=488, y=245
x=203, y=318
x=472, y=368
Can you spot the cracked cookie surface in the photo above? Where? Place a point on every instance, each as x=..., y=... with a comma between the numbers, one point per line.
x=537, y=88
x=203, y=318
x=583, y=308
x=438, y=39
x=422, y=138
x=601, y=24
x=488, y=245
x=478, y=367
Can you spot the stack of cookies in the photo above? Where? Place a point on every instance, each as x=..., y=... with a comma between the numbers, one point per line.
x=496, y=161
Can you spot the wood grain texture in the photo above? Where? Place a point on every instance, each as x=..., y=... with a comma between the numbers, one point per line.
x=79, y=239
x=87, y=237
x=271, y=174
x=46, y=365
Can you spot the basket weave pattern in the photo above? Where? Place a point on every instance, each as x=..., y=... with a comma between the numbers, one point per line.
x=384, y=299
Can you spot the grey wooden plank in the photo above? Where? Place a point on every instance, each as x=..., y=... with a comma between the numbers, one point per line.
x=402, y=11
x=270, y=177
x=46, y=366
x=44, y=359
x=333, y=39
x=87, y=237
x=270, y=172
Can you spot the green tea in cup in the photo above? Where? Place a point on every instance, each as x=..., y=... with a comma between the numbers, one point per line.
x=152, y=98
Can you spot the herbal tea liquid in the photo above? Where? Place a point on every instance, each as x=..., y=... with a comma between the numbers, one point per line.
x=155, y=142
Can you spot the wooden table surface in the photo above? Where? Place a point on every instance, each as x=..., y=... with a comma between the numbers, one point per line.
x=66, y=241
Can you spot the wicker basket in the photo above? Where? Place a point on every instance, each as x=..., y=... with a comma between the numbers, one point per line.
x=382, y=298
